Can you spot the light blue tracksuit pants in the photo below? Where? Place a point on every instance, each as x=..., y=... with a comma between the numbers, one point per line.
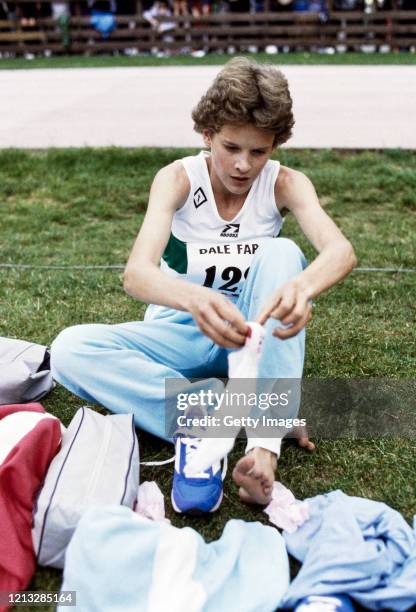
x=123, y=367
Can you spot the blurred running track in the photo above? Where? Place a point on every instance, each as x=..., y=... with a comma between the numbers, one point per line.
x=334, y=106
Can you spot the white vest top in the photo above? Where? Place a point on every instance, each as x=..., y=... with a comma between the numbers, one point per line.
x=205, y=249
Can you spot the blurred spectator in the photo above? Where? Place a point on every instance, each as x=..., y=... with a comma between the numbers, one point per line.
x=155, y=16
x=102, y=16
x=200, y=7
x=62, y=16
x=30, y=11
x=281, y=5
x=347, y=5
x=159, y=9
x=256, y=6
x=320, y=7
x=384, y=5
x=300, y=5
x=60, y=10
x=312, y=6
x=180, y=7
x=7, y=10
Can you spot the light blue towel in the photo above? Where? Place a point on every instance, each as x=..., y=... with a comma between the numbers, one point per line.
x=354, y=546
x=120, y=562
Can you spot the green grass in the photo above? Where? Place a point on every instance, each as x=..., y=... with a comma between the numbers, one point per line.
x=85, y=207
x=304, y=58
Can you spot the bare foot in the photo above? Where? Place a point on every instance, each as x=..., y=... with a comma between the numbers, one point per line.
x=301, y=436
x=254, y=474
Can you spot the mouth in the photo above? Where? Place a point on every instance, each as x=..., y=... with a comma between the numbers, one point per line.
x=240, y=179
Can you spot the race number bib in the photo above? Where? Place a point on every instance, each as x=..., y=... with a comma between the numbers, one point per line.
x=223, y=267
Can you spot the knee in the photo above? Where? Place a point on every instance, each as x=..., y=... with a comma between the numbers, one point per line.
x=68, y=344
x=277, y=250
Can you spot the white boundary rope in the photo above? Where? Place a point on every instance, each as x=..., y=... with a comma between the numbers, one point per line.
x=397, y=270
x=11, y=266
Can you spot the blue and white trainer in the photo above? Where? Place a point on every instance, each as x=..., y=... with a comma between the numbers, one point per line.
x=202, y=492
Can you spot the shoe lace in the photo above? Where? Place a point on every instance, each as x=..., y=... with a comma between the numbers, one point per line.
x=192, y=444
x=156, y=463
x=172, y=459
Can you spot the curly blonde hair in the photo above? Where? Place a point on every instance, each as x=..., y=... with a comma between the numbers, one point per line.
x=247, y=92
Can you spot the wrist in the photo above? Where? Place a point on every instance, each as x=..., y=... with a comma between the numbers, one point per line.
x=303, y=284
x=192, y=295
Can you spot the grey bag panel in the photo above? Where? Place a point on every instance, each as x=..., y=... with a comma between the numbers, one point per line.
x=40, y=383
x=12, y=348
x=131, y=468
x=98, y=464
x=20, y=378
x=60, y=536
x=50, y=485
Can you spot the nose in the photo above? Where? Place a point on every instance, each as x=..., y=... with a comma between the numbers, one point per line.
x=242, y=164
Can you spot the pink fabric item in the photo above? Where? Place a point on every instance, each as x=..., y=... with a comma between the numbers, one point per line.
x=150, y=502
x=285, y=511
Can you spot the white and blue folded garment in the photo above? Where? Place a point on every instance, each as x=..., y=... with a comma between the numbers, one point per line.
x=119, y=561
x=356, y=547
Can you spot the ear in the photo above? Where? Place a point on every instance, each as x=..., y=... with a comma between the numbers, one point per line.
x=206, y=135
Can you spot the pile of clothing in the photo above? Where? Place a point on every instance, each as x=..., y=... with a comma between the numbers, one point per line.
x=49, y=475
x=70, y=498
x=352, y=550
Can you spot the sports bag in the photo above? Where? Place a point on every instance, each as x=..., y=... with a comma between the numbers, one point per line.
x=25, y=375
x=98, y=464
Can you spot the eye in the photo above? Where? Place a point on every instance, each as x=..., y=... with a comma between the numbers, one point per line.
x=230, y=147
x=259, y=152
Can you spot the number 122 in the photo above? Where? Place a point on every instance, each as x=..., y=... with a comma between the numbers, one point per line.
x=232, y=275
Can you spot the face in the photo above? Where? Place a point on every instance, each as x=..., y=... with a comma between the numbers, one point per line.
x=238, y=155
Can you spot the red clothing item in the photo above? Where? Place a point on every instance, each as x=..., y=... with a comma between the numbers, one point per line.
x=28, y=443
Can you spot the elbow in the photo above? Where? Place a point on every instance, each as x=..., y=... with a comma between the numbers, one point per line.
x=137, y=280
x=350, y=257
x=129, y=281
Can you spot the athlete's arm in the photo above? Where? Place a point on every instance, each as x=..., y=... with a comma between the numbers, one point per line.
x=291, y=304
x=216, y=316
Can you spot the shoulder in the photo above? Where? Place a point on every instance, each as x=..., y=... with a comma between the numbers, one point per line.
x=290, y=184
x=289, y=180
x=174, y=179
x=174, y=173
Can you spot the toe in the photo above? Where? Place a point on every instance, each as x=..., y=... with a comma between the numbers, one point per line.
x=242, y=468
x=257, y=497
x=301, y=434
x=255, y=479
x=305, y=443
x=245, y=497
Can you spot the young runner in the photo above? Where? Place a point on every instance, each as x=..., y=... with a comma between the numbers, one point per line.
x=208, y=259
